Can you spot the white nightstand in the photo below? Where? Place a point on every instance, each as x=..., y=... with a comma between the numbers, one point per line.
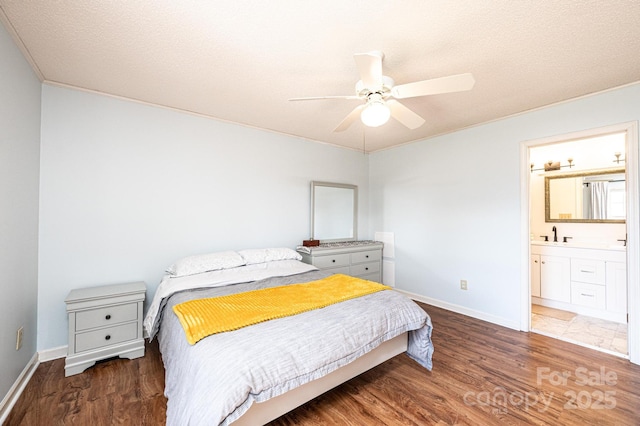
x=104, y=322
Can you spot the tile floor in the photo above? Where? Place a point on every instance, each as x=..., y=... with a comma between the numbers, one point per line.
x=595, y=333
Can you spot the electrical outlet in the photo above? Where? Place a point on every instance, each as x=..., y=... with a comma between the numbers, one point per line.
x=463, y=284
x=19, y=334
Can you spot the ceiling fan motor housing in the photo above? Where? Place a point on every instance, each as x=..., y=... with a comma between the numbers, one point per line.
x=383, y=89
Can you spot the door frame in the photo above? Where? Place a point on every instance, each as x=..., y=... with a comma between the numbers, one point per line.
x=632, y=223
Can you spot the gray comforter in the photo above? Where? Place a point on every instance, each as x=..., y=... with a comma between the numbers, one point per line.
x=216, y=380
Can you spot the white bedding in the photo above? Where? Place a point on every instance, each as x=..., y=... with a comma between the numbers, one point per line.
x=216, y=380
x=171, y=284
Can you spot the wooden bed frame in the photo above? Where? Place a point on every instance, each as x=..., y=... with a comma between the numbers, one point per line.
x=263, y=412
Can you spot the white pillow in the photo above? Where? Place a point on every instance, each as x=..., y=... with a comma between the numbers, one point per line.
x=205, y=263
x=253, y=256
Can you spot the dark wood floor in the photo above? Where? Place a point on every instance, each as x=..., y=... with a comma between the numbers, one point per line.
x=483, y=375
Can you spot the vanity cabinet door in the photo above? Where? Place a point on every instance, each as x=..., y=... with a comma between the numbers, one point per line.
x=555, y=278
x=617, y=287
x=535, y=275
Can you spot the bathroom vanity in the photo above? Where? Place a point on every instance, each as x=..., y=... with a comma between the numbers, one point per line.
x=587, y=279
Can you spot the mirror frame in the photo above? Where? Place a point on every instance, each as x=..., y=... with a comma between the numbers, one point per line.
x=314, y=185
x=547, y=207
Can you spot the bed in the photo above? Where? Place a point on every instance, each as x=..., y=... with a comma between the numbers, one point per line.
x=256, y=373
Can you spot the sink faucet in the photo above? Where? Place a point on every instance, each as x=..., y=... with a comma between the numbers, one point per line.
x=555, y=234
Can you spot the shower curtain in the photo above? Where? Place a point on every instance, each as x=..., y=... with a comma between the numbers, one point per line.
x=599, y=199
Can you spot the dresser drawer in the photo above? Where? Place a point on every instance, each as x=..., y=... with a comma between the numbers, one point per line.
x=359, y=259
x=106, y=316
x=372, y=277
x=588, y=271
x=106, y=337
x=333, y=261
x=365, y=256
x=340, y=270
x=589, y=295
x=365, y=268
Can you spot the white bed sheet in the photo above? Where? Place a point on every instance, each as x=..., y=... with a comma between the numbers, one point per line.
x=223, y=277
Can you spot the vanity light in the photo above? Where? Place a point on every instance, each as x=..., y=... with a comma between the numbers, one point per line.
x=550, y=165
x=376, y=112
x=618, y=159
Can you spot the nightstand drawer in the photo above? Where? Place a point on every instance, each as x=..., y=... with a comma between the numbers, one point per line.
x=106, y=336
x=324, y=262
x=365, y=268
x=106, y=316
x=365, y=256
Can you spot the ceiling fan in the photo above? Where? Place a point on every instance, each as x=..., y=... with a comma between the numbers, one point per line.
x=377, y=91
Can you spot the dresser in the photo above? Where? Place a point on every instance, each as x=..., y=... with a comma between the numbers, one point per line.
x=104, y=322
x=362, y=259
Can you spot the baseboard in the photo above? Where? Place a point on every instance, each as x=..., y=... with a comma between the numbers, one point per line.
x=16, y=390
x=514, y=325
x=53, y=353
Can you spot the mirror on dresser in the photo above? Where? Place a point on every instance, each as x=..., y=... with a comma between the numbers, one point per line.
x=334, y=221
x=586, y=197
x=334, y=211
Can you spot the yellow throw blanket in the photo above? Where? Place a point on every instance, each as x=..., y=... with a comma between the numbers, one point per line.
x=203, y=317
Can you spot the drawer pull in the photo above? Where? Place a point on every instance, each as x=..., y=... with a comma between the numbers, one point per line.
x=108, y=317
x=366, y=268
x=367, y=256
x=107, y=337
x=333, y=260
x=587, y=295
x=587, y=272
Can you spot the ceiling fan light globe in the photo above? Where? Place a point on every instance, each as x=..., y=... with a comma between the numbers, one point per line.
x=375, y=114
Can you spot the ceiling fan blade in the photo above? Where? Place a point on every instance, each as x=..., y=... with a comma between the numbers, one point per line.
x=349, y=119
x=404, y=115
x=370, y=68
x=315, y=98
x=452, y=83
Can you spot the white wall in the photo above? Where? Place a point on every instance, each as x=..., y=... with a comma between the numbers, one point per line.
x=19, y=163
x=128, y=188
x=453, y=203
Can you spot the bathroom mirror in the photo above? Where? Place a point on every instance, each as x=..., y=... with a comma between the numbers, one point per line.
x=590, y=197
x=334, y=211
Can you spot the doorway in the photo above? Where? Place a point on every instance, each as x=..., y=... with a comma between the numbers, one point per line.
x=575, y=307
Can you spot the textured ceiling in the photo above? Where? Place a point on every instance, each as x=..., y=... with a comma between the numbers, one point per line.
x=240, y=61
